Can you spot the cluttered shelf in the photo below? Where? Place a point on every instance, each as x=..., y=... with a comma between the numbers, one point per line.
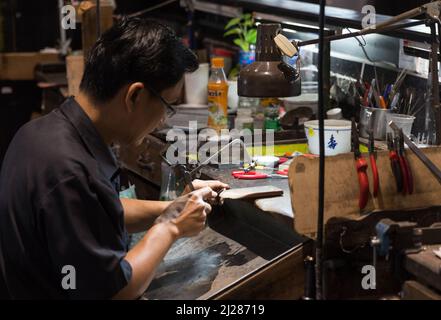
x=336, y=17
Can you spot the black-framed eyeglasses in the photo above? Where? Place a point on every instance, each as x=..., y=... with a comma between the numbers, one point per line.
x=170, y=110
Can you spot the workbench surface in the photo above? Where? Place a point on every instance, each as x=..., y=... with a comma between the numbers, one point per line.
x=425, y=265
x=236, y=243
x=279, y=205
x=196, y=268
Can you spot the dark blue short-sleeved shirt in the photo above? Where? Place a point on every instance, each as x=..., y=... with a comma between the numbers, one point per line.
x=59, y=206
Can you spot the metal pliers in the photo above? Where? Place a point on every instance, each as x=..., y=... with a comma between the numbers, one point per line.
x=373, y=161
x=404, y=165
x=395, y=162
x=361, y=166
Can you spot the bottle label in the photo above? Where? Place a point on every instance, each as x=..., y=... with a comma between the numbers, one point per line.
x=217, y=109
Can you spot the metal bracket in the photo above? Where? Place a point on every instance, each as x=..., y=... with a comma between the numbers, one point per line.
x=433, y=10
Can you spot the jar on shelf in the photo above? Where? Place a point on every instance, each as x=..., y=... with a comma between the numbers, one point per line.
x=244, y=119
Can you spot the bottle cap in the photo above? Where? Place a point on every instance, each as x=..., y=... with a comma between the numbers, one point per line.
x=217, y=62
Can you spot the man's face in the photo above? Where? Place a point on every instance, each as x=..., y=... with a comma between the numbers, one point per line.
x=149, y=112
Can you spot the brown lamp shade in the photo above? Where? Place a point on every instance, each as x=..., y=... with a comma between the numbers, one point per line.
x=268, y=76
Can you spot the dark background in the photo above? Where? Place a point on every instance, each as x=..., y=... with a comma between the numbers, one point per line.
x=33, y=25
x=29, y=25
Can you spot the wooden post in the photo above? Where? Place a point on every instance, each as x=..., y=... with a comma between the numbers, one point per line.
x=74, y=71
x=89, y=22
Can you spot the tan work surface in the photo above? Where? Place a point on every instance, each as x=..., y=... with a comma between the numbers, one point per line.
x=252, y=193
x=21, y=65
x=342, y=187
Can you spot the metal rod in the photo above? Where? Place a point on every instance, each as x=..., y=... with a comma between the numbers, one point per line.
x=142, y=12
x=435, y=82
x=358, y=33
x=405, y=15
x=207, y=161
x=326, y=72
x=13, y=16
x=321, y=193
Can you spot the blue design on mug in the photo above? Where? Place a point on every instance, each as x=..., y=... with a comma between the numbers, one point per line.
x=332, y=143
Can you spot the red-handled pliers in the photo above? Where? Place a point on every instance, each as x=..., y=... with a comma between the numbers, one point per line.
x=361, y=166
x=395, y=162
x=249, y=175
x=253, y=175
x=404, y=164
x=373, y=160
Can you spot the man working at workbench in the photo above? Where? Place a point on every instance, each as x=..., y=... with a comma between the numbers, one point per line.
x=59, y=205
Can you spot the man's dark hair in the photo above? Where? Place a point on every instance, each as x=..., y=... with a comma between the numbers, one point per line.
x=135, y=50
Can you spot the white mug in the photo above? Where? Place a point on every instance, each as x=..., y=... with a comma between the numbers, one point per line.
x=196, y=83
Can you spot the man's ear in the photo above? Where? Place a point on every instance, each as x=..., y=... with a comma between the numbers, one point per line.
x=133, y=94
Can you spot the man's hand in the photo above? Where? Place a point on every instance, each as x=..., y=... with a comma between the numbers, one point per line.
x=188, y=213
x=213, y=184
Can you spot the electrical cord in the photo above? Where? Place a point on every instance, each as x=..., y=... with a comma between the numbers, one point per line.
x=345, y=250
x=362, y=46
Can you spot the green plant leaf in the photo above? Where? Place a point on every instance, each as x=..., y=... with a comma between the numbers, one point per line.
x=232, y=22
x=251, y=36
x=242, y=44
x=234, y=72
x=232, y=31
x=247, y=16
x=248, y=23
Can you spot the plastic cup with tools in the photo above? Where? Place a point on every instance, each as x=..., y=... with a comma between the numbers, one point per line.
x=403, y=121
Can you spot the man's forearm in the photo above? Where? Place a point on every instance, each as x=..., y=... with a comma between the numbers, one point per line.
x=145, y=257
x=139, y=215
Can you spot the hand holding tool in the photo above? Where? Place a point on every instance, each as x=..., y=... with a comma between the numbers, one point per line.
x=361, y=166
x=187, y=177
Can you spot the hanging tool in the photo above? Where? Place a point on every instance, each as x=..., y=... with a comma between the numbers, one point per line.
x=408, y=177
x=367, y=94
x=375, y=93
x=361, y=166
x=394, y=162
x=373, y=161
x=424, y=159
x=401, y=165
